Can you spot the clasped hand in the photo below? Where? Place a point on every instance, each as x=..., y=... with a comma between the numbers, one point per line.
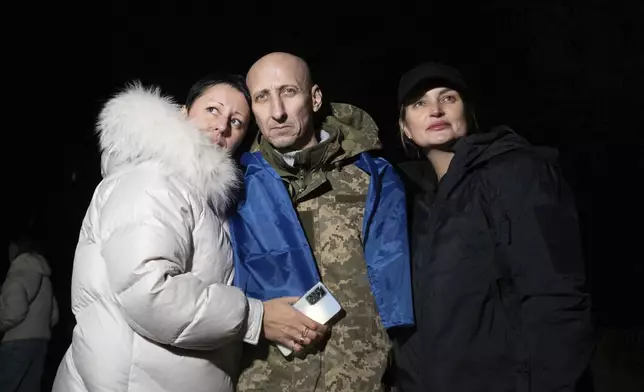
x=286, y=325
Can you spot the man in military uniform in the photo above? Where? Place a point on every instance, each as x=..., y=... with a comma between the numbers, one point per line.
x=320, y=206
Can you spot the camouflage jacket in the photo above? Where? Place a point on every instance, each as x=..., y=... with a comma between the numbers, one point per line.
x=349, y=226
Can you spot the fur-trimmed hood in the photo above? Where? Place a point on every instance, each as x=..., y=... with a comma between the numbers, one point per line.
x=139, y=125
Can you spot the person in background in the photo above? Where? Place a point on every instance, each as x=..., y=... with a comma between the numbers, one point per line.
x=28, y=312
x=498, y=272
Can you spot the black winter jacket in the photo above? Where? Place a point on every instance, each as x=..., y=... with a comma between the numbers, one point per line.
x=498, y=274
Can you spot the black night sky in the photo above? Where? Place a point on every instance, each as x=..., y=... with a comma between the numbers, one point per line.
x=564, y=75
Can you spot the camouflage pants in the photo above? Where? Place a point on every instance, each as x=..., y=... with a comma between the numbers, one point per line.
x=332, y=370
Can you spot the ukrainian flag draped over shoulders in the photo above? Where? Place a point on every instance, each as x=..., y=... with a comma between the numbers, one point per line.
x=273, y=258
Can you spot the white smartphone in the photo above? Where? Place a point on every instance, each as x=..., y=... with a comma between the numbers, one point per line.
x=319, y=305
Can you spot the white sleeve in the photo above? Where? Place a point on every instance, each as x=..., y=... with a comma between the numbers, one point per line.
x=147, y=244
x=255, y=320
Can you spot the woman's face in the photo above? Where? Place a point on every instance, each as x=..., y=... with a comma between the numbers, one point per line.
x=435, y=118
x=223, y=113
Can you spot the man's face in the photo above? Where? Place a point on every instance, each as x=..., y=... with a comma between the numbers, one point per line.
x=283, y=102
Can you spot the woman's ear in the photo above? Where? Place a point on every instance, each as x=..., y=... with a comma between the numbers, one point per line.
x=404, y=129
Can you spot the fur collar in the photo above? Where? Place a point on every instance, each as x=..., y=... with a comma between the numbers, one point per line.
x=139, y=125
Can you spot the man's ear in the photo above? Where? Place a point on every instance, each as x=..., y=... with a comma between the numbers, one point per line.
x=316, y=97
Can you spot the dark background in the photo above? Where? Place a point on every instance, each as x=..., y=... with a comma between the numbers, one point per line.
x=569, y=76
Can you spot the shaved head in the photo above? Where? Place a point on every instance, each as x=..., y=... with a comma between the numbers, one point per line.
x=284, y=99
x=282, y=62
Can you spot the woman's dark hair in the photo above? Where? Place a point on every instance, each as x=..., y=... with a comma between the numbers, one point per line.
x=238, y=82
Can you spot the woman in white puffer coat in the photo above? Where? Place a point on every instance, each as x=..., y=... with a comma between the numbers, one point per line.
x=151, y=281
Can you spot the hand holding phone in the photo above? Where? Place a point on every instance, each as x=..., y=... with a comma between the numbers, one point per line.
x=283, y=324
x=320, y=305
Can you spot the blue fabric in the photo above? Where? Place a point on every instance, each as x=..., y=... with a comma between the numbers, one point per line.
x=272, y=255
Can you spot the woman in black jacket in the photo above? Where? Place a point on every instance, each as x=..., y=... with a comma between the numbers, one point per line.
x=498, y=272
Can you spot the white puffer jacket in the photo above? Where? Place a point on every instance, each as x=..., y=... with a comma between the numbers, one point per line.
x=151, y=282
